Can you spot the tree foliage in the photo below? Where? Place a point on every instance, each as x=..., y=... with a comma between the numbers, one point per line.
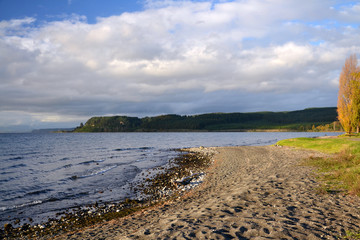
x=349, y=95
x=296, y=120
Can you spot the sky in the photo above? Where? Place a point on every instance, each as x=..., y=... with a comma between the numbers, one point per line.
x=64, y=61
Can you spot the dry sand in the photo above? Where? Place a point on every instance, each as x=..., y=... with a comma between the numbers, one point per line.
x=249, y=193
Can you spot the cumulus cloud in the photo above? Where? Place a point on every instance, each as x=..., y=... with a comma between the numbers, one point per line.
x=177, y=57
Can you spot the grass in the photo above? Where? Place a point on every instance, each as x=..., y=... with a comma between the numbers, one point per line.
x=325, y=145
x=340, y=172
x=352, y=235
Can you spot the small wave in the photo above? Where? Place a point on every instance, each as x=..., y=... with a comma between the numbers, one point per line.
x=9, y=179
x=13, y=166
x=100, y=148
x=122, y=149
x=38, y=192
x=52, y=199
x=16, y=158
x=36, y=202
x=64, y=196
x=31, y=153
x=67, y=166
x=89, y=162
x=47, y=200
x=94, y=172
x=146, y=148
x=132, y=149
x=4, y=173
x=61, y=167
x=78, y=195
x=101, y=170
x=17, y=166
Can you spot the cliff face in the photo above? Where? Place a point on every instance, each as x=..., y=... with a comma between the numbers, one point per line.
x=294, y=120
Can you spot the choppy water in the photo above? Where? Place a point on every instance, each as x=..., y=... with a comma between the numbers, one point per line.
x=41, y=174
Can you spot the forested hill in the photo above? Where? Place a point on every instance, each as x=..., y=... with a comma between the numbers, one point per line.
x=295, y=120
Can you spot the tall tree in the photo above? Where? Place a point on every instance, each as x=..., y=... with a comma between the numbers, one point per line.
x=355, y=93
x=348, y=95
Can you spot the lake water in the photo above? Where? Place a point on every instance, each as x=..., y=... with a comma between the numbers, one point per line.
x=41, y=174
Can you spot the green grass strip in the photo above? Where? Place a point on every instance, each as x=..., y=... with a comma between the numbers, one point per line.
x=340, y=172
x=325, y=145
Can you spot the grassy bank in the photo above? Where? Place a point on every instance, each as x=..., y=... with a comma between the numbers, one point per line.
x=340, y=171
x=325, y=145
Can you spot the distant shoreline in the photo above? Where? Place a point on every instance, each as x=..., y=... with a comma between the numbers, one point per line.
x=312, y=119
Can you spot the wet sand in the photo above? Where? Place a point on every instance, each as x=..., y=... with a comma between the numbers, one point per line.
x=248, y=193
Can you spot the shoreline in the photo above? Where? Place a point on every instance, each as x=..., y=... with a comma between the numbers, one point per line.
x=171, y=181
x=248, y=192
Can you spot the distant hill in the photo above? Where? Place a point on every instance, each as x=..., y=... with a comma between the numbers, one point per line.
x=301, y=120
x=52, y=130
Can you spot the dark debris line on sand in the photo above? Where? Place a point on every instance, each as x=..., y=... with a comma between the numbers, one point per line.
x=181, y=174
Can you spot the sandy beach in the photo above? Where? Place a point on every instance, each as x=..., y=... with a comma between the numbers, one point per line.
x=248, y=193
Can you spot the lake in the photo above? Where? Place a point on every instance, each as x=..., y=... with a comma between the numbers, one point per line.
x=42, y=174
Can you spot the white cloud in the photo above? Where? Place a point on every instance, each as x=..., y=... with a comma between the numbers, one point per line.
x=16, y=24
x=141, y=62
